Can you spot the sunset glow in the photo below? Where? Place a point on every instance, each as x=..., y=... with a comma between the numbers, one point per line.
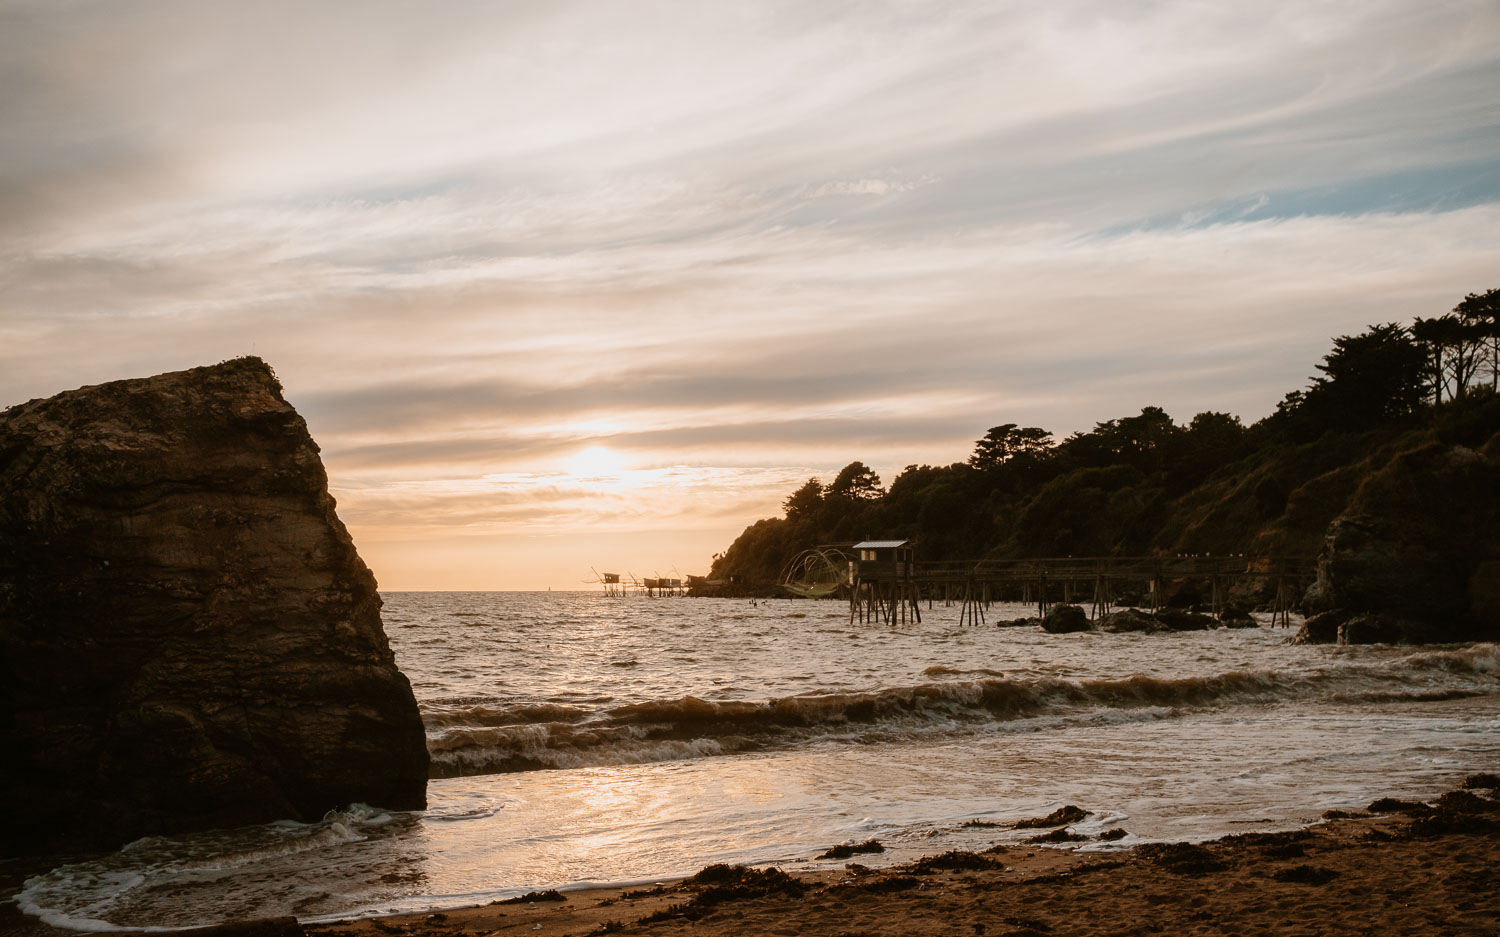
x=600, y=284
x=595, y=462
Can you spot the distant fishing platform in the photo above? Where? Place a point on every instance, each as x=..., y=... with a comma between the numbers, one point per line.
x=649, y=586
x=884, y=581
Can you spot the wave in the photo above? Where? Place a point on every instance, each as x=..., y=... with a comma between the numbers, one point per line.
x=485, y=739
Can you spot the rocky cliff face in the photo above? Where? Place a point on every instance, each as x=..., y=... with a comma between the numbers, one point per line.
x=188, y=638
x=1416, y=556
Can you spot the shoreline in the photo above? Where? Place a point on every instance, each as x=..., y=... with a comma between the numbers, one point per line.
x=1409, y=868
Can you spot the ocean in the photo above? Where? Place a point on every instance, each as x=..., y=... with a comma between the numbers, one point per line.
x=582, y=739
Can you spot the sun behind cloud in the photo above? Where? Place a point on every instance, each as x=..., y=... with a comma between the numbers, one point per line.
x=594, y=462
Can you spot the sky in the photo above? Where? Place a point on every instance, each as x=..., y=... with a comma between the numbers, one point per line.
x=563, y=287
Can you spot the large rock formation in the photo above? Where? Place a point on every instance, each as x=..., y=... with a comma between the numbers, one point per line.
x=187, y=636
x=1418, y=550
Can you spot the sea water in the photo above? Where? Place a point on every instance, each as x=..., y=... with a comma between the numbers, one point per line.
x=584, y=739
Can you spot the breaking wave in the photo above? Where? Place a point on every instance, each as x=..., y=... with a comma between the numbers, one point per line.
x=487, y=738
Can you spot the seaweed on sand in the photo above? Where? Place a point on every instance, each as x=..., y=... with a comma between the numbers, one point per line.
x=846, y=850
x=1062, y=835
x=550, y=894
x=724, y=883
x=954, y=861
x=1062, y=816
x=1181, y=858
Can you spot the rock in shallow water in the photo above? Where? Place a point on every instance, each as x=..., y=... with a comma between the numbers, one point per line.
x=188, y=638
x=1065, y=619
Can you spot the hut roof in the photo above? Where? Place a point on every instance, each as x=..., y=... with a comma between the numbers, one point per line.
x=881, y=544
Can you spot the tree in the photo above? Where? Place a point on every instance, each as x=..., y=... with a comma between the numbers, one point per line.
x=805, y=500
x=1455, y=345
x=1005, y=442
x=1481, y=311
x=1429, y=334
x=1369, y=379
x=1146, y=440
x=856, y=482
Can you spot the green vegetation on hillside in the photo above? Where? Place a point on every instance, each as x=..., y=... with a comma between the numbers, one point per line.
x=1145, y=483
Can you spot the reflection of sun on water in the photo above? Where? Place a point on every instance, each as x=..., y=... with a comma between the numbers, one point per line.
x=594, y=462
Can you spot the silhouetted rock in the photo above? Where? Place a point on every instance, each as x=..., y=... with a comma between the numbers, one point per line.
x=1322, y=628
x=1420, y=542
x=187, y=636
x=1235, y=616
x=1062, y=619
x=1376, y=628
x=1130, y=620
x=1178, y=620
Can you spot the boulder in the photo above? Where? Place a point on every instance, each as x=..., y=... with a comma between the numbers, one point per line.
x=1322, y=628
x=1178, y=620
x=1376, y=628
x=1018, y=622
x=1130, y=620
x=1063, y=619
x=1420, y=542
x=1235, y=616
x=188, y=638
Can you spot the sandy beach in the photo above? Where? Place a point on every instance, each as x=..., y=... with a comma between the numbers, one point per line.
x=1402, y=868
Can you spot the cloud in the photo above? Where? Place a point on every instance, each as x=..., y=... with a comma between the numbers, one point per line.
x=761, y=239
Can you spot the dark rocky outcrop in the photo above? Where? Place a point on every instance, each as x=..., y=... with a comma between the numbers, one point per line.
x=1175, y=619
x=187, y=636
x=1128, y=620
x=1237, y=616
x=1322, y=628
x=1419, y=546
x=1064, y=619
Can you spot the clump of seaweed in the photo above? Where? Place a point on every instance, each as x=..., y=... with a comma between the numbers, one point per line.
x=889, y=883
x=1063, y=835
x=1465, y=802
x=550, y=894
x=846, y=850
x=645, y=892
x=1285, y=851
x=1109, y=836
x=954, y=861
x=1477, y=781
x=1392, y=805
x=1062, y=816
x=1262, y=840
x=1181, y=858
x=722, y=883
x=1305, y=875
x=1344, y=814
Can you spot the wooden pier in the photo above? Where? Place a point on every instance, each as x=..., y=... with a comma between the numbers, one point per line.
x=886, y=583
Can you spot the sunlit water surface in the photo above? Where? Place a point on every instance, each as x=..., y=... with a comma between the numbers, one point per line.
x=583, y=739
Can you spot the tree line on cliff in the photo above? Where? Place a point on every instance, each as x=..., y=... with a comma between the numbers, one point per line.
x=1144, y=483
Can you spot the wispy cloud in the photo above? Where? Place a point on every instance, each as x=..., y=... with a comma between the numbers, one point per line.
x=741, y=244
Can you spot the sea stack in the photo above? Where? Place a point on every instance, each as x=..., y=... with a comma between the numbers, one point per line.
x=188, y=638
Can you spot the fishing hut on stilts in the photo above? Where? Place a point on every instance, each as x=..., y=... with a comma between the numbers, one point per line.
x=882, y=582
x=611, y=582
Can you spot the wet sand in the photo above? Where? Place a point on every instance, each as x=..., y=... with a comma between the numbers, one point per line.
x=1408, y=869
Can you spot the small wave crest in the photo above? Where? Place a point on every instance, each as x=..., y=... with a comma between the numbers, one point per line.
x=494, y=714
x=691, y=727
x=475, y=738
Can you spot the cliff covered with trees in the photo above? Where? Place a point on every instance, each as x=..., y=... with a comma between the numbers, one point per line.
x=1146, y=483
